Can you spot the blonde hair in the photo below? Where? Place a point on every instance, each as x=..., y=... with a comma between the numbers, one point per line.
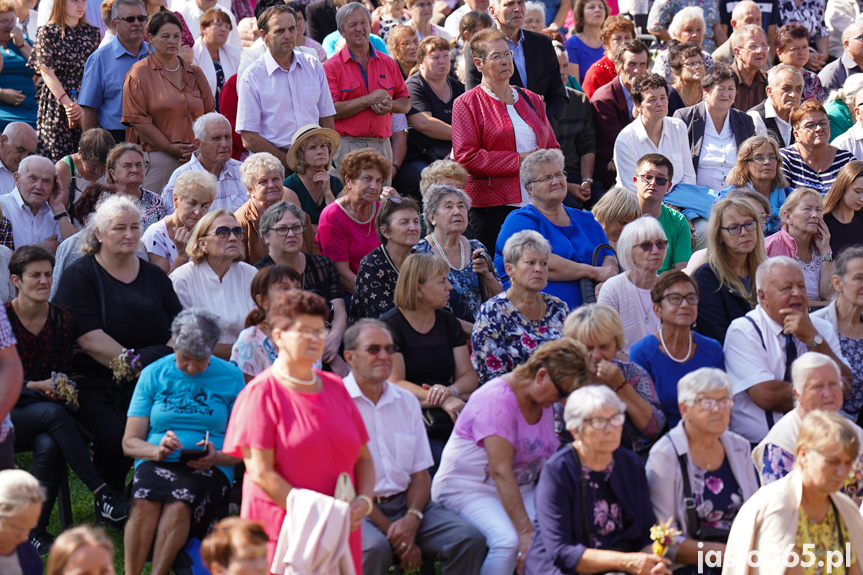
x=201, y=229
x=565, y=360
x=18, y=489
x=257, y=164
x=617, y=205
x=796, y=197
x=594, y=322
x=415, y=271
x=70, y=541
x=822, y=430
x=196, y=182
x=718, y=256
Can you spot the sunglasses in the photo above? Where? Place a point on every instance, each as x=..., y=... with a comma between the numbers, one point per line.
x=131, y=19
x=375, y=349
x=648, y=246
x=225, y=231
x=659, y=180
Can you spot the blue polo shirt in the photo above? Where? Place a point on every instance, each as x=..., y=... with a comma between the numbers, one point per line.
x=102, y=86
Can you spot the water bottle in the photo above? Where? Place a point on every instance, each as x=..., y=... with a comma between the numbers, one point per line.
x=73, y=95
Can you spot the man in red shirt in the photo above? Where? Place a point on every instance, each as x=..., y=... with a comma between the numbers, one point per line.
x=366, y=85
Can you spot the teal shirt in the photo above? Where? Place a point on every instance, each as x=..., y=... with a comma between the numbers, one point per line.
x=677, y=232
x=840, y=118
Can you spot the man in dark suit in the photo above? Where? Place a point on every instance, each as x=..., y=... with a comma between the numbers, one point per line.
x=612, y=107
x=536, y=66
x=321, y=19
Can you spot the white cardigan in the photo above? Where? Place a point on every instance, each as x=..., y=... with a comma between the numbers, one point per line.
x=229, y=58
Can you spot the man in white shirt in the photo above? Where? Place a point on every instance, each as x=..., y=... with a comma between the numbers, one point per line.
x=403, y=522
x=214, y=147
x=35, y=207
x=194, y=9
x=283, y=90
x=451, y=25
x=784, y=92
x=852, y=139
x=761, y=346
x=17, y=142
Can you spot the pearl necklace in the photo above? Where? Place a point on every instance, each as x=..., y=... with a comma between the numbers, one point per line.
x=175, y=69
x=668, y=353
x=443, y=253
x=303, y=382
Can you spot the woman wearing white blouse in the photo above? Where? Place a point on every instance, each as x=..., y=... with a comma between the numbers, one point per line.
x=652, y=132
x=216, y=278
x=216, y=58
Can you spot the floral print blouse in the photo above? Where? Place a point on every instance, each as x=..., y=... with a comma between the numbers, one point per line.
x=777, y=463
x=502, y=338
x=253, y=351
x=717, y=496
x=153, y=208
x=812, y=88
x=606, y=513
x=810, y=13
x=852, y=349
x=821, y=539
x=663, y=12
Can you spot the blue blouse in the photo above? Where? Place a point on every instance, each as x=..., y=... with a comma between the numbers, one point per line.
x=582, y=54
x=667, y=372
x=17, y=75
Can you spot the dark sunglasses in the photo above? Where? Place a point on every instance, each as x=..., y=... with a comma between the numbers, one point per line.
x=560, y=392
x=375, y=349
x=131, y=19
x=660, y=181
x=225, y=231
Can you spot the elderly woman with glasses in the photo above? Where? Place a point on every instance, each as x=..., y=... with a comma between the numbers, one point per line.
x=806, y=238
x=702, y=460
x=177, y=424
x=501, y=440
x=216, y=278
x=599, y=328
x=474, y=279
x=812, y=162
x=675, y=349
x=641, y=249
x=593, y=511
x=573, y=234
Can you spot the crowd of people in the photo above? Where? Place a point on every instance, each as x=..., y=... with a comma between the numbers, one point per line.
x=482, y=286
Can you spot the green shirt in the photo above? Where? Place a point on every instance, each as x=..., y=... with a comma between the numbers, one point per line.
x=676, y=229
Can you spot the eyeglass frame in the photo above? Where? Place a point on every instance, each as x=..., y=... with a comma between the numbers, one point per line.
x=682, y=297
x=561, y=175
x=287, y=229
x=241, y=234
x=736, y=230
x=620, y=416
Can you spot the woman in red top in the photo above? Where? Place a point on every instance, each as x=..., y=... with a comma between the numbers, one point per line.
x=495, y=127
x=616, y=31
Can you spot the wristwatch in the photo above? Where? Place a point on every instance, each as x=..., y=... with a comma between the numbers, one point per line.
x=816, y=341
x=61, y=215
x=828, y=257
x=588, y=180
x=417, y=513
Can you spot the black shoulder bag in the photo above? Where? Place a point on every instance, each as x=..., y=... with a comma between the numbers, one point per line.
x=587, y=285
x=696, y=530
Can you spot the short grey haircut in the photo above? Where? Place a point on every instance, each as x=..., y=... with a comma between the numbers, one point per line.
x=586, y=401
x=115, y=8
x=260, y=163
x=531, y=165
x=196, y=332
x=30, y=162
x=276, y=212
x=17, y=129
x=18, y=489
x=744, y=33
x=434, y=195
x=514, y=247
x=775, y=71
x=537, y=6
x=645, y=228
x=353, y=333
x=807, y=362
x=703, y=380
x=687, y=14
x=766, y=268
x=107, y=210
x=201, y=127
x=349, y=9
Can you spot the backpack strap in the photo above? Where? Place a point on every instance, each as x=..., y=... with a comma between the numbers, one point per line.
x=767, y=412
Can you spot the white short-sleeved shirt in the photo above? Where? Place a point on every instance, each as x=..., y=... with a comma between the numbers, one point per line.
x=231, y=195
x=851, y=141
x=398, y=441
x=770, y=112
x=157, y=241
x=749, y=362
x=28, y=229
x=633, y=142
x=229, y=299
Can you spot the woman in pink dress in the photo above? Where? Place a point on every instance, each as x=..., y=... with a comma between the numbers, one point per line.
x=298, y=427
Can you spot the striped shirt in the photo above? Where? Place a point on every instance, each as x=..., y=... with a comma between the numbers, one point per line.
x=800, y=175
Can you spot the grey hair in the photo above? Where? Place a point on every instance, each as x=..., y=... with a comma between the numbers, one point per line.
x=766, y=268
x=434, y=195
x=259, y=163
x=773, y=74
x=14, y=129
x=353, y=333
x=807, y=362
x=848, y=91
x=538, y=6
x=349, y=9
x=115, y=7
x=520, y=241
x=18, y=489
x=744, y=33
x=196, y=332
x=643, y=229
x=276, y=212
x=192, y=181
x=201, y=126
x=560, y=49
x=24, y=166
x=586, y=401
x=106, y=211
x=687, y=14
x=531, y=164
x=703, y=380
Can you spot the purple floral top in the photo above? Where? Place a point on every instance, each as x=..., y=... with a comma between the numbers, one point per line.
x=502, y=338
x=717, y=496
x=607, y=513
x=777, y=463
x=812, y=88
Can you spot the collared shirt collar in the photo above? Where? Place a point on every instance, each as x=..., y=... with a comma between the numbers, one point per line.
x=272, y=65
x=857, y=131
x=346, y=53
x=118, y=50
x=520, y=42
x=774, y=327
x=850, y=64
x=195, y=164
x=16, y=195
x=353, y=388
x=641, y=131
x=628, y=97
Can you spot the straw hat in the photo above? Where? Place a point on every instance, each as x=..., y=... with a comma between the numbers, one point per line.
x=307, y=132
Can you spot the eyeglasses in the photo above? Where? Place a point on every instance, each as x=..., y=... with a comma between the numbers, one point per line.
x=414, y=42
x=677, y=299
x=736, y=230
x=709, y=404
x=601, y=423
x=763, y=159
x=694, y=64
x=757, y=48
x=131, y=19
x=658, y=180
x=297, y=229
x=224, y=231
x=647, y=247
x=311, y=333
x=560, y=392
x=375, y=349
x=499, y=57
x=548, y=179
x=812, y=126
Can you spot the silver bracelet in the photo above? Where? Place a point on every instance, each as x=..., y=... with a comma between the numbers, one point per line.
x=455, y=390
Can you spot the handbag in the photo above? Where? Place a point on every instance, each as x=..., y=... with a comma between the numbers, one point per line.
x=439, y=424
x=698, y=531
x=587, y=285
x=344, y=488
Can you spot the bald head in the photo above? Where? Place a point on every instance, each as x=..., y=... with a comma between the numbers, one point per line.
x=16, y=143
x=852, y=31
x=851, y=44
x=746, y=12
